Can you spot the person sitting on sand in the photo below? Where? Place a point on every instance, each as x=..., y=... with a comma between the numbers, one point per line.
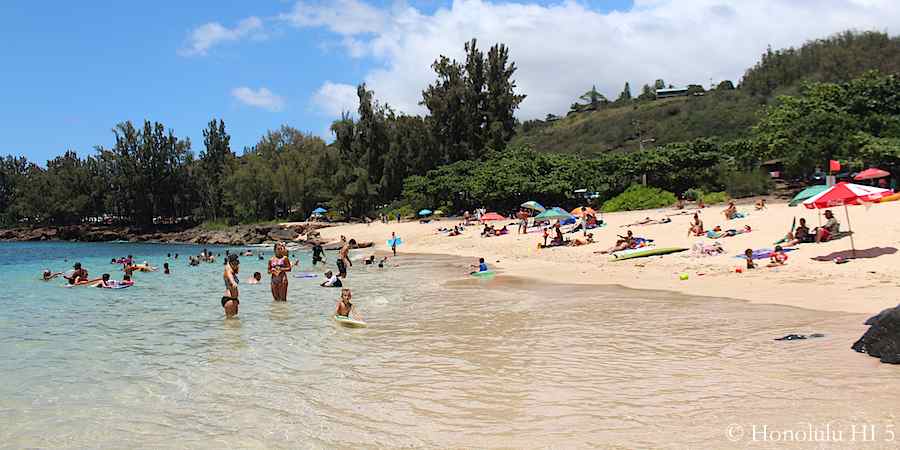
x=370, y=260
x=696, y=227
x=801, y=235
x=502, y=231
x=255, y=279
x=331, y=280
x=482, y=266
x=454, y=232
x=230, y=301
x=48, y=275
x=778, y=257
x=731, y=211
x=344, y=306
x=748, y=254
x=624, y=243
x=588, y=239
x=761, y=204
x=830, y=229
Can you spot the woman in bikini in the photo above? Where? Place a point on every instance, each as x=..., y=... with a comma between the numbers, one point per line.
x=279, y=266
x=230, y=299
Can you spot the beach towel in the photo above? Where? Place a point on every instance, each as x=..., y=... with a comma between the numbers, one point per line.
x=763, y=253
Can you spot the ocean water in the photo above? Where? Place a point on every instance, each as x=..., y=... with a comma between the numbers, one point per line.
x=447, y=361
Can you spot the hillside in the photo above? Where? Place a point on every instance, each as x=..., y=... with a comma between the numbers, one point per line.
x=725, y=114
x=720, y=114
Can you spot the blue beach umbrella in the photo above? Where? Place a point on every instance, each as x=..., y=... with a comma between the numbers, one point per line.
x=320, y=210
x=425, y=212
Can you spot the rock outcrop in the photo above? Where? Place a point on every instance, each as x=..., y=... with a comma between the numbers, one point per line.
x=882, y=339
x=237, y=235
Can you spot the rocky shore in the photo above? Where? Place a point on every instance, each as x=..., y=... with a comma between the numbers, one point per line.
x=237, y=235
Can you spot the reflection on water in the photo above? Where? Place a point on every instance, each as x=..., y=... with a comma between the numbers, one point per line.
x=447, y=361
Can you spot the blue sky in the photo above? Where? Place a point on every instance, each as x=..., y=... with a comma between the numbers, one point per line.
x=72, y=70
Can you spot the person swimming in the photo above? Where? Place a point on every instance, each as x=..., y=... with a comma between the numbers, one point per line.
x=78, y=276
x=255, y=279
x=230, y=301
x=48, y=275
x=318, y=254
x=166, y=268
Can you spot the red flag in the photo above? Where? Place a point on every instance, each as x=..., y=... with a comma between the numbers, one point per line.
x=834, y=166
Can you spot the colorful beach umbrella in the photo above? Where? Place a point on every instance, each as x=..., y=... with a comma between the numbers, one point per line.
x=534, y=206
x=806, y=194
x=578, y=213
x=844, y=194
x=553, y=213
x=492, y=216
x=425, y=212
x=871, y=173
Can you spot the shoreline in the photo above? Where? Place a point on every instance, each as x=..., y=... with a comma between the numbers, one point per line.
x=864, y=286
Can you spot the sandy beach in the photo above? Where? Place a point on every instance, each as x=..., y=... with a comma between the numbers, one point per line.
x=864, y=285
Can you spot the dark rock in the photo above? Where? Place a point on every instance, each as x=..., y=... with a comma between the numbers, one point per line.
x=882, y=339
x=280, y=234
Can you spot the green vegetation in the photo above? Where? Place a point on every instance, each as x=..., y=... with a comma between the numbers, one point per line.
x=639, y=197
x=713, y=198
x=469, y=151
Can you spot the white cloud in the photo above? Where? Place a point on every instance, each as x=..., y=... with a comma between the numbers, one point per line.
x=336, y=98
x=346, y=17
x=260, y=98
x=208, y=35
x=562, y=49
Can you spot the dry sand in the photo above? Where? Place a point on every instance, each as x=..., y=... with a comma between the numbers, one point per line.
x=867, y=284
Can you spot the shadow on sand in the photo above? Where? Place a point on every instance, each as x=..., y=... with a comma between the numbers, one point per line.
x=873, y=252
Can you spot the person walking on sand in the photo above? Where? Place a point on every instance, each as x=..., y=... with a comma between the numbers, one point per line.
x=279, y=266
x=230, y=300
x=394, y=243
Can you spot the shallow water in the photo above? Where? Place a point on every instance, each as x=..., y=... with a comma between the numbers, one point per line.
x=447, y=361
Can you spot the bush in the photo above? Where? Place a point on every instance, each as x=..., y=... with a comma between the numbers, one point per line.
x=639, y=197
x=715, y=197
x=693, y=194
x=740, y=184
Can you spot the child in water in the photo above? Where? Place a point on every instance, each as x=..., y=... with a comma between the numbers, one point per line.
x=482, y=266
x=255, y=279
x=344, y=306
x=166, y=268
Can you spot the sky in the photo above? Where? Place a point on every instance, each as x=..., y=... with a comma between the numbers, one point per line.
x=70, y=71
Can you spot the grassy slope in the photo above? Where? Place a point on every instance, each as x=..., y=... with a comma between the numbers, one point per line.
x=722, y=115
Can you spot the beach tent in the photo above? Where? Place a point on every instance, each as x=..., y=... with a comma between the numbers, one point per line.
x=871, y=174
x=320, y=210
x=807, y=193
x=844, y=194
x=577, y=211
x=492, y=216
x=534, y=206
x=553, y=213
x=425, y=212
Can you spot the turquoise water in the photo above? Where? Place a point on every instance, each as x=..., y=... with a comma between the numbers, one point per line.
x=447, y=361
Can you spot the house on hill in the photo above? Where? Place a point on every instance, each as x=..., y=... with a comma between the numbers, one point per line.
x=671, y=92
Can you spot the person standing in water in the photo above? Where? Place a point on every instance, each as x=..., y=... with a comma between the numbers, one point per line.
x=230, y=300
x=279, y=266
x=318, y=254
x=344, y=257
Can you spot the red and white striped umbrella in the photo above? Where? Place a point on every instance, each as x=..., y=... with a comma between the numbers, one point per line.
x=843, y=194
